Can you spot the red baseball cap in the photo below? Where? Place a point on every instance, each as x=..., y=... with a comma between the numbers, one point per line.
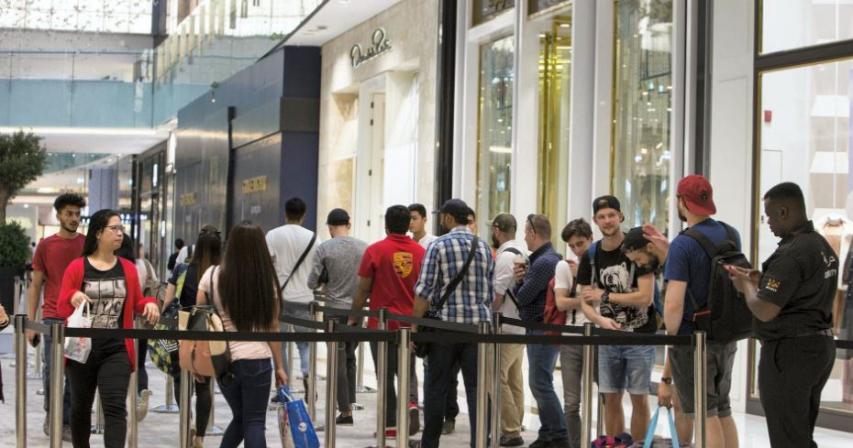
x=697, y=194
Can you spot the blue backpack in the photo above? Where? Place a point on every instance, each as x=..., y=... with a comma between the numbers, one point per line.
x=656, y=302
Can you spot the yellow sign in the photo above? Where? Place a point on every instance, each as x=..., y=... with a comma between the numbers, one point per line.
x=188, y=199
x=255, y=185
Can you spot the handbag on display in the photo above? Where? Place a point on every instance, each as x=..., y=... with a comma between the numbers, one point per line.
x=422, y=348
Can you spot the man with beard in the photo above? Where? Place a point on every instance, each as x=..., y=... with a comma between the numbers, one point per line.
x=791, y=300
x=54, y=254
x=688, y=276
x=512, y=355
x=617, y=295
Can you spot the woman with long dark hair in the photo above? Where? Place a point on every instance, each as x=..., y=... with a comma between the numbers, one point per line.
x=207, y=253
x=244, y=290
x=110, y=285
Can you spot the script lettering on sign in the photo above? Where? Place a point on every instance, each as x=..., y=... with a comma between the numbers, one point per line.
x=379, y=45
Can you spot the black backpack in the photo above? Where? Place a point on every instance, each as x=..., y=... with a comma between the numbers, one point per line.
x=724, y=316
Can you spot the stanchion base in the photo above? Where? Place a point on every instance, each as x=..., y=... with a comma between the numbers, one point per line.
x=365, y=390
x=167, y=409
x=214, y=431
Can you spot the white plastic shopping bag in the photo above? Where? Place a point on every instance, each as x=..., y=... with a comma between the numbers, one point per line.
x=78, y=348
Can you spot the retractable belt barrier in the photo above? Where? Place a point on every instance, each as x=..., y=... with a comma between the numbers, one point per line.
x=487, y=334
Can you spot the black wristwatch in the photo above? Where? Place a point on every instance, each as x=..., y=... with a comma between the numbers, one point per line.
x=666, y=380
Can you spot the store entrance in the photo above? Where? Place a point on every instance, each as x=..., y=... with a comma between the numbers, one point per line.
x=376, y=171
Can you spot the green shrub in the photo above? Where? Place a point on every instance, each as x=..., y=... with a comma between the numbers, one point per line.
x=14, y=245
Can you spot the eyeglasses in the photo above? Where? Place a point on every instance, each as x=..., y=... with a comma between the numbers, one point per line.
x=118, y=228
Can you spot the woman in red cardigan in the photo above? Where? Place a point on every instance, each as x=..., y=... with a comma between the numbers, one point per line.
x=111, y=286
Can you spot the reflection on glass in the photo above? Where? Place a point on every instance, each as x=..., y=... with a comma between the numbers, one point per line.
x=495, y=133
x=555, y=64
x=805, y=138
x=107, y=16
x=535, y=6
x=485, y=10
x=802, y=23
x=643, y=96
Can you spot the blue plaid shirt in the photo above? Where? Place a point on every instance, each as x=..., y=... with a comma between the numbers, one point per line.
x=471, y=300
x=532, y=291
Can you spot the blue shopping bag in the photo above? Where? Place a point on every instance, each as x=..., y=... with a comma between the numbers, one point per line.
x=301, y=428
x=651, y=441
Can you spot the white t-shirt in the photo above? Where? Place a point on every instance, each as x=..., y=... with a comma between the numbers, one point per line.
x=563, y=279
x=183, y=254
x=239, y=349
x=427, y=240
x=142, y=271
x=505, y=279
x=286, y=245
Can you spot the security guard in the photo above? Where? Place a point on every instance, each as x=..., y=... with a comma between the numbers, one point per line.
x=792, y=303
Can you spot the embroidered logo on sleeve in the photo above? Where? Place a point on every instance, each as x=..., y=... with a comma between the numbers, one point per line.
x=772, y=285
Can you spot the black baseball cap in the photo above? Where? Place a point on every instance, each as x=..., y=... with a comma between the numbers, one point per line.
x=606, y=201
x=457, y=208
x=635, y=239
x=338, y=217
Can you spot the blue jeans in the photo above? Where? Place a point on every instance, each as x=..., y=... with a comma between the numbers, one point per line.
x=299, y=311
x=45, y=374
x=442, y=358
x=542, y=360
x=247, y=392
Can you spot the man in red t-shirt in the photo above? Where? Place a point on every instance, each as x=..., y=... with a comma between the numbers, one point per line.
x=388, y=272
x=53, y=254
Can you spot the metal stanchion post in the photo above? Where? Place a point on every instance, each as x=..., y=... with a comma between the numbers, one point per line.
x=37, y=362
x=184, y=400
x=481, y=439
x=331, y=385
x=311, y=393
x=403, y=373
x=21, y=380
x=133, y=425
x=57, y=376
x=586, y=388
x=700, y=375
x=381, y=378
x=496, y=381
x=212, y=429
x=170, y=407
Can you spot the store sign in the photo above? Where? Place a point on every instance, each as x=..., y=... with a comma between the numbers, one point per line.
x=188, y=199
x=379, y=45
x=255, y=185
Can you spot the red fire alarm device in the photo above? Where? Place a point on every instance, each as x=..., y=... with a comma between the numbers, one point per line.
x=768, y=116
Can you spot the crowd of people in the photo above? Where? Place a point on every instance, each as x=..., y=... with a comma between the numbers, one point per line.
x=636, y=282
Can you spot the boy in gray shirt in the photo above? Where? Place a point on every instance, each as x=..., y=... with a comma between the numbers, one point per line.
x=335, y=269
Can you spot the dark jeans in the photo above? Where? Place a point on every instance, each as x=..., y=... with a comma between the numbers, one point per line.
x=542, y=360
x=45, y=376
x=390, y=389
x=110, y=375
x=346, y=375
x=141, y=373
x=451, y=409
x=203, y=402
x=442, y=358
x=247, y=393
x=791, y=376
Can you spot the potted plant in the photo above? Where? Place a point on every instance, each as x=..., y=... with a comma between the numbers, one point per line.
x=22, y=160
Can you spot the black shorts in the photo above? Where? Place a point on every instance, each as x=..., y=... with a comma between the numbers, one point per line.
x=721, y=358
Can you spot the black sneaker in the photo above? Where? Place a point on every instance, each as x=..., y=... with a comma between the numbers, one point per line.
x=344, y=420
x=539, y=443
x=559, y=443
x=449, y=427
x=511, y=441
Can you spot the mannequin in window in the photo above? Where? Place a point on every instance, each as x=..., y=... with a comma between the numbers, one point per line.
x=838, y=231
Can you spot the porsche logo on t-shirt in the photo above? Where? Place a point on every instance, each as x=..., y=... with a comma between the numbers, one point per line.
x=403, y=264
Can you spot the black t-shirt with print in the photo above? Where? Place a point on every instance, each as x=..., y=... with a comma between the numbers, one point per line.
x=107, y=291
x=617, y=274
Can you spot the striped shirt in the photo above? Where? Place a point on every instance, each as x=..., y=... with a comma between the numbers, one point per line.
x=471, y=300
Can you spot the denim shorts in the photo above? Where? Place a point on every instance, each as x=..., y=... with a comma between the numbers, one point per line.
x=625, y=367
x=721, y=360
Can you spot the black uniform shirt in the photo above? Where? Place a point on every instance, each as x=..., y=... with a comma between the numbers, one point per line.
x=800, y=277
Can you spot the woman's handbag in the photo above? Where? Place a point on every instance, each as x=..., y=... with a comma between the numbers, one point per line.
x=205, y=358
x=164, y=352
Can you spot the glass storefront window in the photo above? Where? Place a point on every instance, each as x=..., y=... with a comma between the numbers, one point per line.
x=642, y=108
x=805, y=138
x=494, y=144
x=801, y=23
x=555, y=70
x=535, y=6
x=485, y=10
